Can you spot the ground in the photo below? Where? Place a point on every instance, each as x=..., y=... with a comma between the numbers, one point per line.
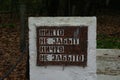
x=108, y=36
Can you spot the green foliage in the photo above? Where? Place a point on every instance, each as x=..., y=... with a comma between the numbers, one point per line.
x=10, y=25
x=5, y=5
x=105, y=41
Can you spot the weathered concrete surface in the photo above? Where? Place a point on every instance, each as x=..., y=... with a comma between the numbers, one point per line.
x=108, y=64
x=61, y=72
x=108, y=60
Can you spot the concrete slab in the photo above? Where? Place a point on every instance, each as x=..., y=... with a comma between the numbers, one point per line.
x=63, y=72
x=108, y=64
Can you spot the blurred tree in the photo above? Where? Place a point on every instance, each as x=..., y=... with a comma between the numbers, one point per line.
x=52, y=7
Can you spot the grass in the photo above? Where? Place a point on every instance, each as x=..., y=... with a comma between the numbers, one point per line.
x=105, y=41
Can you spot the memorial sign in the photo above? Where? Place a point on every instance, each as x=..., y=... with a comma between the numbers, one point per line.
x=62, y=48
x=62, y=45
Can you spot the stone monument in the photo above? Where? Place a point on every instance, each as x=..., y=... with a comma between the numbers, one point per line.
x=62, y=48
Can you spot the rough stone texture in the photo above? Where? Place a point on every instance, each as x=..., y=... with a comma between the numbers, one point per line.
x=108, y=64
x=63, y=72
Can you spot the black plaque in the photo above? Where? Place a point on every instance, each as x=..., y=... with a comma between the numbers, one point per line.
x=62, y=45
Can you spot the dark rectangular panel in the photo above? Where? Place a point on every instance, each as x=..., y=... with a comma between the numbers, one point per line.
x=62, y=45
